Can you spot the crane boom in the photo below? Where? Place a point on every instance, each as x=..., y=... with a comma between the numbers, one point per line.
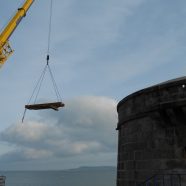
x=5, y=48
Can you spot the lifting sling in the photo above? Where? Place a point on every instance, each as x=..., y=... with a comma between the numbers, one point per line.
x=51, y=105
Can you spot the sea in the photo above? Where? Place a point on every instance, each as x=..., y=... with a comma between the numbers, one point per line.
x=86, y=176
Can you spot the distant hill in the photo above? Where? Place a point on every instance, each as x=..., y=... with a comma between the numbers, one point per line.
x=83, y=176
x=96, y=168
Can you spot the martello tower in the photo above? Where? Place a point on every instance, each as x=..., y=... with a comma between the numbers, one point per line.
x=152, y=136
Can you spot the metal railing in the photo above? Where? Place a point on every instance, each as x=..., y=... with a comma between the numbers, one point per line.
x=165, y=180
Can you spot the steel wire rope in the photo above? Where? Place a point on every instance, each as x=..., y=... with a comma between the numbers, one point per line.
x=48, y=53
x=40, y=81
x=55, y=85
x=50, y=28
x=37, y=86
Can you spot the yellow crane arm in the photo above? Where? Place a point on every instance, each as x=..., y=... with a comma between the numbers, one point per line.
x=5, y=48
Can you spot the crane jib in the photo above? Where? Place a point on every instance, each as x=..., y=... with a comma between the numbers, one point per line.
x=21, y=17
x=17, y=23
x=5, y=48
x=19, y=20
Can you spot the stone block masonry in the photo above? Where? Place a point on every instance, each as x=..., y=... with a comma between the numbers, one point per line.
x=152, y=133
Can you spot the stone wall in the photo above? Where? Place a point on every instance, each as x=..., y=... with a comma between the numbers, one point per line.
x=152, y=133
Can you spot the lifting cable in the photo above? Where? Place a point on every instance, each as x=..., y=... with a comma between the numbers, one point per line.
x=38, y=86
x=49, y=30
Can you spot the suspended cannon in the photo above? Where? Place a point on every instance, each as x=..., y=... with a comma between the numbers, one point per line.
x=54, y=105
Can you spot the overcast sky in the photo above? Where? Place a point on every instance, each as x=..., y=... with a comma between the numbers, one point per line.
x=101, y=51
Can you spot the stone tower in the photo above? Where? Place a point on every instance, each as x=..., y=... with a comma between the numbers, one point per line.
x=152, y=135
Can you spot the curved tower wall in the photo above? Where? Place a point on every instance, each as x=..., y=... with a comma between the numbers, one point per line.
x=152, y=133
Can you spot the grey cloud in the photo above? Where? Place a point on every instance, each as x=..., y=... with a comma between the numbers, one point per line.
x=85, y=126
